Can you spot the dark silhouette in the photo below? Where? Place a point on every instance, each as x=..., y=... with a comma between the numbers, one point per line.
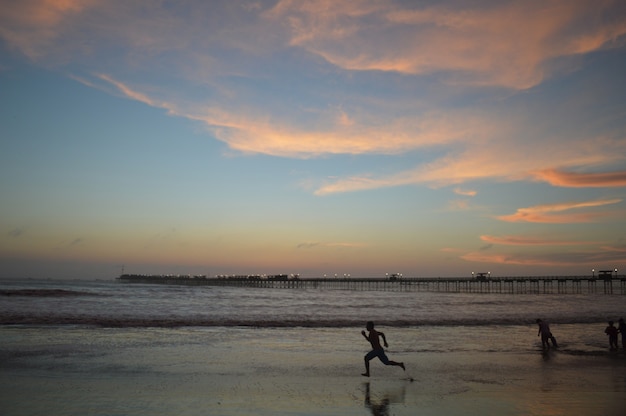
x=377, y=349
x=546, y=334
x=611, y=331
x=622, y=330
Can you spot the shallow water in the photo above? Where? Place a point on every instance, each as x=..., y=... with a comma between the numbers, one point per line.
x=104, y=348
x=237, y=371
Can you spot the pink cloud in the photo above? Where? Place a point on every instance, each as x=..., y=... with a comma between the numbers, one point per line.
x=530, y=241
x=464, y=192
x=506, y=45
x=582, y=180
x=562, y=259
x=34, y=26
x=554, y=213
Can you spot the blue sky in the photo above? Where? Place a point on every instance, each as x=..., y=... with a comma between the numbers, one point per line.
x=325, y=137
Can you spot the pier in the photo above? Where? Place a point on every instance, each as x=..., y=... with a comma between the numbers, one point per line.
x=505, y=285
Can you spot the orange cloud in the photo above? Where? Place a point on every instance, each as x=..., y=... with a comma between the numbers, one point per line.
x=552, y=213
x=505, y=45
x=562, y=259
x=33, y=26
x=619, y=249
x=529, y=241
x=464, y=192
x=582, y=180
x=249, y=133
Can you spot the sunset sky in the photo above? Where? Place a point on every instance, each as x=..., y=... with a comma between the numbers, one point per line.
x=361, y=137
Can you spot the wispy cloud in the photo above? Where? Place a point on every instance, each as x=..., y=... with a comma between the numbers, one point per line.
x=582, y=180
x=465, y=192
x=226, y=54
x=564, y=259
x=615, y=248
x=507, y=45
x=16, y=232
x=34, y=26
x=557, y=213
x=310, y=245
x=516, y=240
x=458, y=204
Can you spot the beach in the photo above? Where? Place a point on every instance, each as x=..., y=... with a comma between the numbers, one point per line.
x=107, y=348
x=295, y=371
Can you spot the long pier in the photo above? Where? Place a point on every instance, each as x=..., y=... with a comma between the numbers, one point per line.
x=505, y=285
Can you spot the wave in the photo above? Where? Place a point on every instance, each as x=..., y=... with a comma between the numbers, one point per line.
x=251, y=321
x=44, y=293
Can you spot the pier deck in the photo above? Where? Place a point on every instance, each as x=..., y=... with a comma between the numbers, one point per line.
x=505, y=285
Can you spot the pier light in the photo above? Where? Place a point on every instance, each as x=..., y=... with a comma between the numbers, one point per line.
x=616, y=272
x=593, y=272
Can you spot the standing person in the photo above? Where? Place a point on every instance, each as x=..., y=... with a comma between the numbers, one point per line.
x=611, y=331
x=622, y=330
x=377, y=349
x=546, y=334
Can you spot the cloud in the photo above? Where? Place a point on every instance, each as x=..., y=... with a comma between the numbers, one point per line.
x=16, y=232
x=617, y=249
x=508, y=44
x=34, y=27
x=458, y=205
x=582, y=180
x=75, y=242
x=465, y=192
x=554, y=213
x=216, y=63
x=310, y=245
x=530, y=241
x=563, y=259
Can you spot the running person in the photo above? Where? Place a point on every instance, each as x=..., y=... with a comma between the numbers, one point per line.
x=377, y=350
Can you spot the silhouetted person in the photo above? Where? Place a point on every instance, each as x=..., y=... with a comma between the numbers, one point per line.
x=546, y=334
x=611, y=331
x=622, y=330
x=377, y=349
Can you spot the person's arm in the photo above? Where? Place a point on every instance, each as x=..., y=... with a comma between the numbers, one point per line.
x=384, y=339
x=365, y=335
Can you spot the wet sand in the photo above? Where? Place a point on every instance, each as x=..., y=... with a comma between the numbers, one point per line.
x=217, y=371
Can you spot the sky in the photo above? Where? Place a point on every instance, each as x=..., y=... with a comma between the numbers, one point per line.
x=361, y=137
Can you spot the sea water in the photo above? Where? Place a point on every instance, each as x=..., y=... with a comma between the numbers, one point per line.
x=115, y=304
x=105, y=347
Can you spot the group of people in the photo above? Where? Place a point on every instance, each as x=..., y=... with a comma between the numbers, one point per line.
x=611, y=331
x=373, y=337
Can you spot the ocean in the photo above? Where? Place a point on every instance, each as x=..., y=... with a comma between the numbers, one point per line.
x=106, y=347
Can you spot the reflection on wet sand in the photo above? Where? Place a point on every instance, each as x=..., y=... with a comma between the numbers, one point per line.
x=381, y=405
